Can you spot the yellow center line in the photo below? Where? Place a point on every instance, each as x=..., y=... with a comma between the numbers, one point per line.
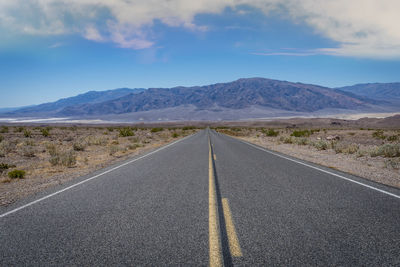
x=215, y=251
x=234, y=246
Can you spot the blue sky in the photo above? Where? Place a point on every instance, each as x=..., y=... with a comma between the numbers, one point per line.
x=44, y=58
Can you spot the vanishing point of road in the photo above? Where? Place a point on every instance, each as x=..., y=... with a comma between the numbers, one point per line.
x=207, y=199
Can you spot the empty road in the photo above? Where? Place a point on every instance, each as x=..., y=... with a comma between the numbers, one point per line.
x=207, y=199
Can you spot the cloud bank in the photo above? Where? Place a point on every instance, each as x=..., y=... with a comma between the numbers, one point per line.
x=362, y=28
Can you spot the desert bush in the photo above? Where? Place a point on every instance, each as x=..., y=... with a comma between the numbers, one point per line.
x=28, y=151
x=321, y=145
x=1, y=138
x=133, y=139
x=185, y=128
x=96, y=141
x=20, y=174
x=351, y=134
x=110, y=129
x=79, y=146
x=52, y=149
x=346, y=148
x=386, y=150
x=393, y=138
x=5, y=166
x=270, y=132
x=133, y=146
x=113, y=149
x=27, y=133
x=287, y=140
x=301, y=133
x=4, y=129
x=361, y=153
x=7, y=147
x=67, y=158
x=301, y=141
x=127, y=131
x=156, y=129
x=392, y=164
x=379, y=134
x=19, y=129
x=175, y=135
x=45, y=132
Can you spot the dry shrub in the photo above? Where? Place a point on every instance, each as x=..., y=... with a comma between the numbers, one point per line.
x=79, y=146
x=387, y=150
x=28, y=151
x=113, y=149
x=321, y=145
x=301, y=141
x=63, y=158
x=20, y=174
x=346, y=148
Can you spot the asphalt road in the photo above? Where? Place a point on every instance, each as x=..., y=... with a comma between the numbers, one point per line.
x=157, y=210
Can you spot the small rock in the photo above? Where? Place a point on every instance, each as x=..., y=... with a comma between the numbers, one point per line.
x=333, y=137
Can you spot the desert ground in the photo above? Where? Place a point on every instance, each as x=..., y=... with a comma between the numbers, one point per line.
x=33, y=158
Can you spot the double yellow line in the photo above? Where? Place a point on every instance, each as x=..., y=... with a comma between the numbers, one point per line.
x=215, y=244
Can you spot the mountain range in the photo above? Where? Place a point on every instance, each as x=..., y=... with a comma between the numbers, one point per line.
x=240, y=99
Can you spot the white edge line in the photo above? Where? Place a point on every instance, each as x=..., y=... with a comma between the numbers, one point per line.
x=91, y=178
x=322, y=170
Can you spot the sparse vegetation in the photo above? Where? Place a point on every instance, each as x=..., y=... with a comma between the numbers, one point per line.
x=301, y=141
x=301, y=133
x=79, y=146
x=321, y=145
x=4, y=129
x=66, y=158
x=346, y=148
x=386, y=150
x=114, y=149
x=5, y=166
x=27, y=133
x=379, y=135
x=19, y=129
x=186, y=128
x=17, y=174
x=157, y=129
x=28, y=151
x=393, y=138
x=127, y=131
x=45, y=132
x=270, y=132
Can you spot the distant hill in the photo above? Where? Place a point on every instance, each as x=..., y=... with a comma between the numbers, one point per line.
x=240, y=99
x=239, y=94
x=386, y=91
x=90, y=97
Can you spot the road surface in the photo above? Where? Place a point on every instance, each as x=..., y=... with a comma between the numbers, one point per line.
x=208, y=199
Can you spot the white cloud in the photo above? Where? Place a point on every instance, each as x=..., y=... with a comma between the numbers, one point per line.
x=362, y=28
x=91, y=33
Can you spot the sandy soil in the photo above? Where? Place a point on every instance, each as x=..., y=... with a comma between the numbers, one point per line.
x=69, y=152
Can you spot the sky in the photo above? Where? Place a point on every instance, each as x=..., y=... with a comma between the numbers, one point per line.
x=51, y=49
